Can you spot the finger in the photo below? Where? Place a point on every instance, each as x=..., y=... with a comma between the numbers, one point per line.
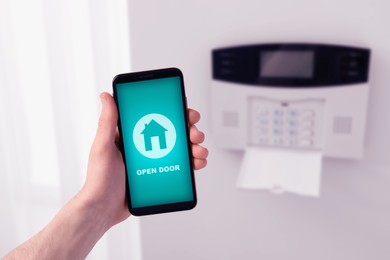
x=199, y=164
x=199, y=152
x=193, y=116
x=108, y=119
x=196, y=136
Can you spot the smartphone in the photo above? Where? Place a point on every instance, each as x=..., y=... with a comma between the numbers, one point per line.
x=154, y=141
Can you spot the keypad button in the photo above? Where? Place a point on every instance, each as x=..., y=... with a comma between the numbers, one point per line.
x=307, y=123
x=292, y=132
x=263, y=140
x=308, y=112
x=277, y=141
x=277, y=131
x=306, y=142
x=277, y=122
x=292, y=122
x=277, y=112
x=291, y=142
x=306, y=133
x=292, y=113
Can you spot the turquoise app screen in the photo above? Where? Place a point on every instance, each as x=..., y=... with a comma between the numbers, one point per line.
x=155, y=142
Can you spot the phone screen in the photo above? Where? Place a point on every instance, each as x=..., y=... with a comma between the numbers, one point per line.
x=154, y=132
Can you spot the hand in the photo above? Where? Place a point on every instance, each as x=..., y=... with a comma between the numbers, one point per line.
x=101, y=202
x=105, y=187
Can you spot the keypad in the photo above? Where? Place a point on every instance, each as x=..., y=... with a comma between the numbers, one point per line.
x=292, y=124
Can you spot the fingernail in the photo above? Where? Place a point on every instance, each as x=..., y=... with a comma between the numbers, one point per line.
x=102, y=97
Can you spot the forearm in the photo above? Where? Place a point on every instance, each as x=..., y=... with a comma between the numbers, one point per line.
x=70, y=235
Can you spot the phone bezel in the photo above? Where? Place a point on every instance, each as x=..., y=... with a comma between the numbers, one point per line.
x=149, y=75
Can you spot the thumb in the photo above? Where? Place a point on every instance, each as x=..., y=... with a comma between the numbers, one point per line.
x=108, y=119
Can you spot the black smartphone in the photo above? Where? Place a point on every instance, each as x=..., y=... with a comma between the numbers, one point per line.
x=154, y=140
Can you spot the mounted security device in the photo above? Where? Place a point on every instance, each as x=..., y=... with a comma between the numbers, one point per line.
x=298, y=95
x=155, y=143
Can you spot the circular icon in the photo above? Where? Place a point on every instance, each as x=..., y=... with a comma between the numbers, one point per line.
x=154, y=136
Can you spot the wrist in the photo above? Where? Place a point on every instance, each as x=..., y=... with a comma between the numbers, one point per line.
x=81, y=223
x=93, y=211
x=78, y=225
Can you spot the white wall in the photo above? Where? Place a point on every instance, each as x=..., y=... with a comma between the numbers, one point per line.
x=55, y=58
x=351, y=218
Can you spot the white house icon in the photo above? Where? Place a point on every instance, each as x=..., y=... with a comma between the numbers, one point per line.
x=154, y=135
x=154, y=129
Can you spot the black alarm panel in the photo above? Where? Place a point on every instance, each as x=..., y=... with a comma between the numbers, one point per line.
x=292, y=65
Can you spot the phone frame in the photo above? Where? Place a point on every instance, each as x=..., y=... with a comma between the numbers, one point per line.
x=144, y=76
